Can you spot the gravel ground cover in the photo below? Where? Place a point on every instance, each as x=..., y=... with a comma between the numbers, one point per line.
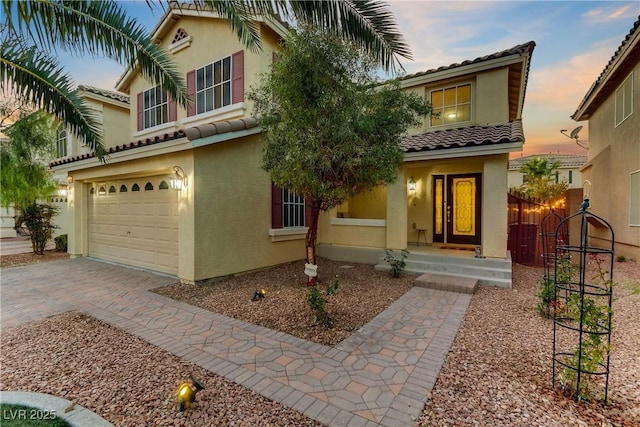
x=498, y=372
x=362, y=294
x=30, y=258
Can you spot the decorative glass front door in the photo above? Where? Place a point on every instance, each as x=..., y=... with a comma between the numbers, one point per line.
x=457, y=208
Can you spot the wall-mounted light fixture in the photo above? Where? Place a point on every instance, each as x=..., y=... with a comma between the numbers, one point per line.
x=179, y=180
x=70, y=179
x=412, y=184
x=63, y=189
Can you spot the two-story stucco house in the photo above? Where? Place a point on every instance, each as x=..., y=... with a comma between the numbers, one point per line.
x=612, y=107
x=568, y=168
x=228, y=218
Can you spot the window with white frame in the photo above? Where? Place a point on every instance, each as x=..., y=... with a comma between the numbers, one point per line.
x=451, y=105
x=634, y=199
x=213, y=86
x=293, y=210
x=624, y=100
x=155, y=107
x=61, y=144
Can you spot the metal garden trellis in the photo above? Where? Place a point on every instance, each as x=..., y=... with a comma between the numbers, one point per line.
x=582, y=322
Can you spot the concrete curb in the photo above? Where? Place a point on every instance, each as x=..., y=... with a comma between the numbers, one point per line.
x=52, y=405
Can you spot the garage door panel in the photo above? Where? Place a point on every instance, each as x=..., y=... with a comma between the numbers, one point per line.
x=138, y=228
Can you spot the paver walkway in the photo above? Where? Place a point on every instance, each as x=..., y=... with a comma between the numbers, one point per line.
x=381, y=375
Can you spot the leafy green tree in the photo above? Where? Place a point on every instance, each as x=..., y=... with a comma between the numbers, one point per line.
x=332, y=131
x=541, y=179
x=35, y=28
x=24, y=176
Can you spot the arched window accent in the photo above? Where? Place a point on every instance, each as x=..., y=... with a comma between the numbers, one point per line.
x=163, y=185
x=112, y=189
x=92, y=191
x=123, y=188
x=148, y=186
x=135, y=187
x=102, y=191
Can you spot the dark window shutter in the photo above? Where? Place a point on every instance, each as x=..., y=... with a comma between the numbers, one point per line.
x=140, y=108
x=276, y=206
x=237, y=77
x=173, y=110
x=191, y=91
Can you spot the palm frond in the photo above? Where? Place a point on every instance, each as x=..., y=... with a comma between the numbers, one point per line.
x=35, y=76
x=368, y=23
x=241, y=15
x=97, y=28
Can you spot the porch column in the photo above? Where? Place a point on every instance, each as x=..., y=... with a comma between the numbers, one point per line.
x=494, y=216
x=77, y=239
x=187, y=225
x=397, y=212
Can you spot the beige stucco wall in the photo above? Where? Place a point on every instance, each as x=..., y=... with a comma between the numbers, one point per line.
x=211, y=39
x=492, y=97
x=614, y=152
x=232, y=206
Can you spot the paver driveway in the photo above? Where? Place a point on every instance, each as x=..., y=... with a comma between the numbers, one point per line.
x=380, y=375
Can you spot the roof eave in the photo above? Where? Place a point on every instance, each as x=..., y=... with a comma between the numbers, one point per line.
x=464, y=152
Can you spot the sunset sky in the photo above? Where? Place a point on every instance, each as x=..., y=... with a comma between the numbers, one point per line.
x=574, y=42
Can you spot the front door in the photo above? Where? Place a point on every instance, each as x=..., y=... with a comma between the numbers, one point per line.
x=457, y=208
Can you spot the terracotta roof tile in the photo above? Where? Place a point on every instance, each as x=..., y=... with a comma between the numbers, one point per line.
x=566, y=160
x=217, y=128
x=516, y=50
x=118, y=96
x=469, y=136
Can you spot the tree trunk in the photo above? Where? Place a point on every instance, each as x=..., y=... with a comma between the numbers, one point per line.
x=312, y=234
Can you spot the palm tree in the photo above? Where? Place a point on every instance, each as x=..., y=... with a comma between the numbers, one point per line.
x=34, y=28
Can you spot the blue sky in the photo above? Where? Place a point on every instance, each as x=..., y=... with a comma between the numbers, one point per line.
x=574, y=42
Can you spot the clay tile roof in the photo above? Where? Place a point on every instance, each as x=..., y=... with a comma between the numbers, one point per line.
x=118, y=96
x=566, y=160
x=516, y=50
x=469, y=136
x=217, y=128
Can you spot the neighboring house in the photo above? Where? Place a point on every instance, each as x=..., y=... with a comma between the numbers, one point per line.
x=568, y=169
x=612, y=107
x=229, y=218
x=7, y=213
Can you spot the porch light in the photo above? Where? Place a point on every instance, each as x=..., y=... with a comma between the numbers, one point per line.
x=70, y=179
x=412, y=184
x=62, y=189
x=187, y=393
x=179, y=179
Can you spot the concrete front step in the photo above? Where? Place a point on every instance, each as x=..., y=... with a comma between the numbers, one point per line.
x=488, y=272
x=463, y=285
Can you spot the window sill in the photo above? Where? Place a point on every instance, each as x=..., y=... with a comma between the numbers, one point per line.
x=289, y=233
x=361, y=222
x=153, y=131
x=229, y=112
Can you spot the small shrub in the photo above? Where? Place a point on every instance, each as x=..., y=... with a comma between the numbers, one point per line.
x=547, y=297
x=61, y=243
x=39, y=221
x=397, y=264
x=318, y=302
x=621, y=258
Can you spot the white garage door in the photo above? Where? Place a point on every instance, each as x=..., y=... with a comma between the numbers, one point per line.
x=135, y=222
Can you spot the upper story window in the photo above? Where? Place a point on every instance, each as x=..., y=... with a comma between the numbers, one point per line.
x=155, y=107
x=624, y=100
x=451, y=105
x=213, y=86
x=61, y=144
x=216, y=85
